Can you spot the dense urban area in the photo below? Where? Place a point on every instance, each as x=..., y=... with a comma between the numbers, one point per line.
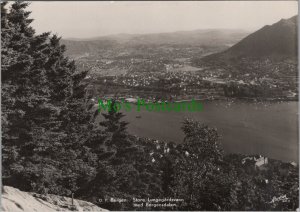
x=171, y=72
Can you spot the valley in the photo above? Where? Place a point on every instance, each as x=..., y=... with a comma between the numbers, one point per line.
x=183, y=68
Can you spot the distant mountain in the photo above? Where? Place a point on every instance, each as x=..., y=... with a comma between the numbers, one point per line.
x=81, y=47
x=207, y=37
x=278, y=40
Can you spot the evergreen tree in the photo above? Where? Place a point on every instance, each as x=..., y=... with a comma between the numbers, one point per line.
x=24, y=94
x=113, y=124
x=125, y=169
x=45, y=116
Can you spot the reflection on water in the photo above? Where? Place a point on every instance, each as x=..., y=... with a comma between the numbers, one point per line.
x=267, y=128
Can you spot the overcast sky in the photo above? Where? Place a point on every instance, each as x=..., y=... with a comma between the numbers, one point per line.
x=91, y=19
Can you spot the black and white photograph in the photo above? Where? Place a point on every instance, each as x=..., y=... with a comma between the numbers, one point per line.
x=149, y=106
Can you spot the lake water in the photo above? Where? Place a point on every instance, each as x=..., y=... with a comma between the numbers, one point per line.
x=268, y=128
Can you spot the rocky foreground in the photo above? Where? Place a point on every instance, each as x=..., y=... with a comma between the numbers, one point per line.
x=14, y=200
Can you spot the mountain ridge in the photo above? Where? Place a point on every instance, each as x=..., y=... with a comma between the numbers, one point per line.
x=105, y=37
x=276, y=40
x=213, y=38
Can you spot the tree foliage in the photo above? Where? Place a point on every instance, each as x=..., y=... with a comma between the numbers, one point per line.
x=44, y=108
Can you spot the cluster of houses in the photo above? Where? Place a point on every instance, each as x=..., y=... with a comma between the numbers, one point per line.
x=259, y=162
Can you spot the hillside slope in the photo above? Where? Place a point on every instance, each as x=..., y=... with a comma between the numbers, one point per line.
x=278, y=40
x=14, y=200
